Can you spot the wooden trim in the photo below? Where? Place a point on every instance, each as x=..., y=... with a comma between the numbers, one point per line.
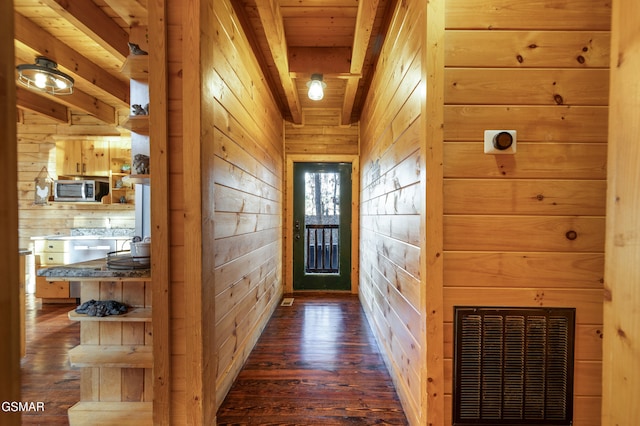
x=9, y=312
x=160, y=269
x=355, y=213
x=431, y=262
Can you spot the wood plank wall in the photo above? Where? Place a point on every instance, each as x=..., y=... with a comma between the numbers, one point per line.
x=392, y=198
x=541, y=68
x=248, y=177
x=621, y=375
x=321, y=132
x=244, y=175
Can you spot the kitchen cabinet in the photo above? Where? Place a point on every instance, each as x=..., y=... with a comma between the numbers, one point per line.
x=51, y=253
x=82, y=157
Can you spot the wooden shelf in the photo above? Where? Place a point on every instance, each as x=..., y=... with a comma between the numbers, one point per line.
x=118, y=413
x=140, y=179
x=136, y=67
x=134, y=315
x=137, y=124
x=132, y=356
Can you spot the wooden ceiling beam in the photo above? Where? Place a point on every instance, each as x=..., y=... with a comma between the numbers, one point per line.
x=364, y=28
x=92, y=21
x=271, y=19
x=321, y=60
x=31, y=101
x=133, y=12
x=70, y=61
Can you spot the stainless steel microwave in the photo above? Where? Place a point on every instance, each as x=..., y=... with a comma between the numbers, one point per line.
x=80, y=190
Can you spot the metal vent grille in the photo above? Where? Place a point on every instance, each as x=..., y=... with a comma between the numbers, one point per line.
x=513, y=366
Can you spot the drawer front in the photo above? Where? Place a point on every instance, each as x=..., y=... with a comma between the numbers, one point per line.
x=55, y=246
x=51, y=290
x=54, y=258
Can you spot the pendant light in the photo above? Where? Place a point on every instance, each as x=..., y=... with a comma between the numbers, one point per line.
x=316, y=87
x=45, y=76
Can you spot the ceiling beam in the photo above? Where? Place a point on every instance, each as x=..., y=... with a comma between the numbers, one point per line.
x=92, y=21
x=133, y=12
x=364, y=25
x=31, y=101
x=70, y=61
x=269, y=12
x=320, y=60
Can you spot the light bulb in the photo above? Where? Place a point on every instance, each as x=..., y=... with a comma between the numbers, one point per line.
x=41, y=80
x=61, y=84
x=315, y=91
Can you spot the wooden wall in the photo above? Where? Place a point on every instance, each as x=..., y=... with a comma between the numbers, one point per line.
x=621, y=376
x=225, y=163
x=391, y=204
x=9, y=288
x=248, y=177
x=321, y=132
x=37, y=149
x=541, y=68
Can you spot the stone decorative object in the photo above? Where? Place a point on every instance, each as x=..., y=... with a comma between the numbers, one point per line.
x=141, y=164
x=137, y=109
x=134, y=49
x=97, y=308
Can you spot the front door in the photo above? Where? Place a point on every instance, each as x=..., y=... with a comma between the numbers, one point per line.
x=322, y=226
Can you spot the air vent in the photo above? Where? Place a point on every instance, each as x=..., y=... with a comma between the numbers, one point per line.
x=513, y=366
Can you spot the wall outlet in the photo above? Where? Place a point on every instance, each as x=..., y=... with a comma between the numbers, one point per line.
x=500, y=141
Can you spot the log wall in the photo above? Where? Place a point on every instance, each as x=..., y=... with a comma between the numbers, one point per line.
x=621, y=376
x=528, y=229
x=391, y=204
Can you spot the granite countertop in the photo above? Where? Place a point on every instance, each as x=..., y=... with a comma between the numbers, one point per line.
x=93, y=270
x=24, y=252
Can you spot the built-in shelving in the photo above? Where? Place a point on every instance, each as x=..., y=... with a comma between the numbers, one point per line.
x=136, y=67
x=126, y=356
x=133, y=315
x=118, y=413
x=141, y=179
x=137, y=123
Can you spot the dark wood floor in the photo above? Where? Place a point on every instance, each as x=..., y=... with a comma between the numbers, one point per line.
x=46, y=374
x=317, y=363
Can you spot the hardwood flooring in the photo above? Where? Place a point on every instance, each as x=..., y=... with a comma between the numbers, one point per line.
x=46, y=374
x=316, y=363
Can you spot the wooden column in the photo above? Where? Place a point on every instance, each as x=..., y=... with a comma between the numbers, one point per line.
x=621, y=376
x=9, y=309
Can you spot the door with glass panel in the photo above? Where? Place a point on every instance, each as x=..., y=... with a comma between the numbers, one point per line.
x=322, y=226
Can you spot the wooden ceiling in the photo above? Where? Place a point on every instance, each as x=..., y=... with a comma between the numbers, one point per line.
x=293, y=39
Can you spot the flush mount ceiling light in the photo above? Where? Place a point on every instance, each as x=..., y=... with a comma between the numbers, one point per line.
x=316, y=87
x=45, y=76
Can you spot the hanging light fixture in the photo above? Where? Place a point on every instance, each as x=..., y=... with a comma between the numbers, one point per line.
x=45, y=76
x=316, y=87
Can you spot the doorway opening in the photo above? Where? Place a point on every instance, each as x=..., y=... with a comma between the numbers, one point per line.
x=322, y=226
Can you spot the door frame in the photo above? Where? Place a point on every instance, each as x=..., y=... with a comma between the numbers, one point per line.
x=288, y=213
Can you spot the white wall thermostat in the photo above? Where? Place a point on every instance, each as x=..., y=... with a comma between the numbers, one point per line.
x=499, y=141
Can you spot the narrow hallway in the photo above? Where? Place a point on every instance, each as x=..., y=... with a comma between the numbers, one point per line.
x=316, y=362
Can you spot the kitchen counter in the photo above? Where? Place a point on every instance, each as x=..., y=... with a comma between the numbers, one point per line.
x=93, y=270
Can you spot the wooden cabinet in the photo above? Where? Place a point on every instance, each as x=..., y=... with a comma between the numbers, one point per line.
x=115, y=355
x=51, y=253
x=82, y=157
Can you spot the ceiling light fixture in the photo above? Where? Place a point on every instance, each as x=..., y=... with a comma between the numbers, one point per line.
x=45, y=76
x=316, y=87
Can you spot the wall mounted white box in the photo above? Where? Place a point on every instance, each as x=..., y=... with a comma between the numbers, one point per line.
x=489, y=148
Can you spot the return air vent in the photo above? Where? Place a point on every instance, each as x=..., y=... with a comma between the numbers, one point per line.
x=513, y=366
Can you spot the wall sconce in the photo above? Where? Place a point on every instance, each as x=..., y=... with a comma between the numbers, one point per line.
x=45, y=76
x=316, y=87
